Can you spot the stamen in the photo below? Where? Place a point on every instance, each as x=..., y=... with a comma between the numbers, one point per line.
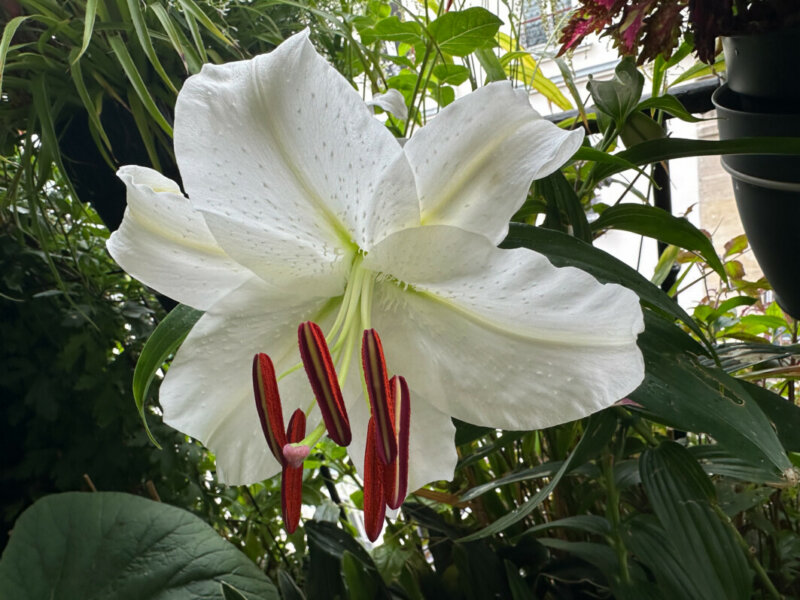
x=292, y=477
x=374, y=502
x=322, y=376
x=377, y=382
x=396, y=477
x=268, y=404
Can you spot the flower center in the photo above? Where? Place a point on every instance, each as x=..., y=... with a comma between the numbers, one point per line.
x=326, y=360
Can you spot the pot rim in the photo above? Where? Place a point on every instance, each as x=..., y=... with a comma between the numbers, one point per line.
x=781, y=186
x=718, y=96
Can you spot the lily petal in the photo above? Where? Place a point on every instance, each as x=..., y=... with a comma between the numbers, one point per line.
x=502, y=337
x=166, y=244
x=391, y=101
x=207, y=392
x=476, y=160
x=289, y=166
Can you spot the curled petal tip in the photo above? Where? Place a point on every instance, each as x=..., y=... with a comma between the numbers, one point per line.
x=268, y=404
x=295, y=455
x=322, y=376
x=377, y=382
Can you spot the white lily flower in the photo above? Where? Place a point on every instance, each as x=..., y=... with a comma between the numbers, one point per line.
x=301, y=206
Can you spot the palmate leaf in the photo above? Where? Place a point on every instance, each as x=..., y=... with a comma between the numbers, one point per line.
x=102, y=545
x=706, y=549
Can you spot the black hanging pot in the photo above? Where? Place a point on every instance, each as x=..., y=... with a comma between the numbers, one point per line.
x=766, y=187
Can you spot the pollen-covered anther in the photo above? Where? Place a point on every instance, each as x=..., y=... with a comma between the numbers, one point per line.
x=322, y=376
x=377, y=383
x=292, y=476
x=395, y=480
x=268, y=404
x=374, y=500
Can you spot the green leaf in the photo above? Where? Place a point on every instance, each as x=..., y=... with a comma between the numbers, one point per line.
x=289, y=589
x=668, y=148
x=94, y=546
x=191, y=8
x=135, y=9
x=669, y=104
x=556, y=190
x=564, y=250
x=783, y=414
x=359, y=582
x=88, y=28
x=491, y=64
x=462, y=32
x=519, y=589
x=451, y=74
x=589, y=523
x=657, y=223
x=125, y=60
x=91, y=109
x=163, y=342
x=599, y=429
x=679, y=391
x=619, y=97
x=639, y=128
x=5, y=42
x=392, y=29
x=681, y=495
x=231, y=593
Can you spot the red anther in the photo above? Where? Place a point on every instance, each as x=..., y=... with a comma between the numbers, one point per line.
x=322, y=376
x=396, y=475
x=374, y=501
x=268, y=404
x=292, y=477
x=377, y=382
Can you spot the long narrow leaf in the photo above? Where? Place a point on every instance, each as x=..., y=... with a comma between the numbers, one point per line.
x=5, y=42
x=124, y=57
x=164, y=341
x=195, y=11
x=140, y=25
x=88, y=28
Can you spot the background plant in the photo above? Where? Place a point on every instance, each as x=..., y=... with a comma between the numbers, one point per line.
x=686, y=490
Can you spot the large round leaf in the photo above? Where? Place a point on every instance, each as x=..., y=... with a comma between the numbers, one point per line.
x=117, y=546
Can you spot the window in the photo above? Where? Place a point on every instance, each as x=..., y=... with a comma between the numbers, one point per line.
x=540, y=19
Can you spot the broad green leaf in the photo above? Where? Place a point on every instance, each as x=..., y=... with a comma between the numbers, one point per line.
x=461, y=32
x=5, y=42
x=666, y=149
x=564, y=250
x=619, y=96
x=657, y=223
x=681, y=495
x=88, y=28
x=125, y=60
x=163, y=342
x=95, y=546
x=599, y=429
x=679, y=391
x=784, y=415
x=392, y=29
x=639, y=128
x=716, y=460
